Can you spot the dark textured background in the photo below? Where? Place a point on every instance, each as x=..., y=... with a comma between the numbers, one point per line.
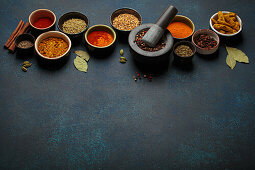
x=197, y=118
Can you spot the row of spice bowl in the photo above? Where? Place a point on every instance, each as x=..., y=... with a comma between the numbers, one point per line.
x=74, y=25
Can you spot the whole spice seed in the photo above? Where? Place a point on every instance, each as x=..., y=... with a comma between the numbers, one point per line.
x=205, y=41
x=125, y=22
x=183, y=50
x=123, y=60
x=24, y=69
x=121, y=52
x=138, y=40
x=74, y=26
x=25, y=44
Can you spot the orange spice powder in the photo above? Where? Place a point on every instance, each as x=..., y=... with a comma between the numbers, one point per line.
x=100, y=38
x=179, y=29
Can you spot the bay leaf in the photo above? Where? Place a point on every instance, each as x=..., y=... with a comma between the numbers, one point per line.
x=238, y=55
x=83, y=54
x=231, y=62
x=80, y=64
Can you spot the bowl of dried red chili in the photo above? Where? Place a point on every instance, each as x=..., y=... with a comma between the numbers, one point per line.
x=100, y=39
x=206, y=41
x=53, y=45
x=42, y=20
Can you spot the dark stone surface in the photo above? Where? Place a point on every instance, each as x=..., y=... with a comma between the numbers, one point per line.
x=196, y=117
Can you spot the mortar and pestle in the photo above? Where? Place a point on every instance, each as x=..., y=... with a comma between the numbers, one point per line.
x=155, y=33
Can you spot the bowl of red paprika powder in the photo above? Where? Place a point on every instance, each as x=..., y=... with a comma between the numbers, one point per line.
x=181, y=27
x=42, y=20
x=100, y=39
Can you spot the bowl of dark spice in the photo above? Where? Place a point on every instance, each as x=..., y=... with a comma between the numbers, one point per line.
x=24, y=44
x=74, y=24
x=206, y=41
x=184, y=51
x=125, y=19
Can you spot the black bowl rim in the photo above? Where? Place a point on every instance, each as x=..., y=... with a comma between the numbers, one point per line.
x=16, y=45
x=77, y=12
x=128, y=9
x=185, y=42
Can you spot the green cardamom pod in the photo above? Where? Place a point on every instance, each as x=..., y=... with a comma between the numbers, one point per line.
x=27, y=65
x=24, y=69
x=121, y=52
x=25, y=62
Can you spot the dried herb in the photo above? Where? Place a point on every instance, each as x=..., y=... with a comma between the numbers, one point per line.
x=231, y=62
x=234, y=55
x=80, y=64
x=83, y=54
x=238, y=55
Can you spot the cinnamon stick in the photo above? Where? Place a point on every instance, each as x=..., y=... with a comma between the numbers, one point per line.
x=23, y=30
x=13, y=35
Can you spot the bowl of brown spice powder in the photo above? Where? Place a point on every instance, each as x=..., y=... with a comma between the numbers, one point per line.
x=124, y=20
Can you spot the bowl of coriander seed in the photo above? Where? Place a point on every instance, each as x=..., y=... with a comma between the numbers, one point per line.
x=73, y=24
x=124, y=20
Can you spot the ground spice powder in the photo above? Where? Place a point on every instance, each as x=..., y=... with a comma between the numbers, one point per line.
x=100, y=38
x=179, y=29
x=52, y=47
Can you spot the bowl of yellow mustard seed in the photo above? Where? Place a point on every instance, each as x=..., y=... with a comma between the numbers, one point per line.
x=73, y=24
x=125, y=19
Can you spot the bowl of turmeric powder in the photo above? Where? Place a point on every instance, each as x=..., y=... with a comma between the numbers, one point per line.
x=53, y=45
x=226, y=23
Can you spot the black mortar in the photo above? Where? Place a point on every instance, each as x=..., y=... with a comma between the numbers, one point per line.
x=147, y=57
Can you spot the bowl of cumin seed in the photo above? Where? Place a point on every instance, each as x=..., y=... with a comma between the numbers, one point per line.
x=73, y=24
x=124, y=20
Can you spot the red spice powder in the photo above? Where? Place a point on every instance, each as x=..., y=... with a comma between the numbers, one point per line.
x=100, y=38
x=43, y=23
x=179, y=29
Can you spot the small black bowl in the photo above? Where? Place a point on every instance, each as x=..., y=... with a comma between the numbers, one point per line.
x=71, y=15
x=183, y=59
x=25, y=37
x=124, y=11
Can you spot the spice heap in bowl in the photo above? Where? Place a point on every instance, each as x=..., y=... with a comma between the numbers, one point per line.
x=74, y=24
x=184, y=51
x=181, y=27
x=125, y=19
x=226, y=23
x=52, y=45
x=42, y=20
x=100, y=39
x=206, y=41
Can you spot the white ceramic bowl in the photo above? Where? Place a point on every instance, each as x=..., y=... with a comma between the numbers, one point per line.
x=55, y=34
x=206, y=51
x=215, y=16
